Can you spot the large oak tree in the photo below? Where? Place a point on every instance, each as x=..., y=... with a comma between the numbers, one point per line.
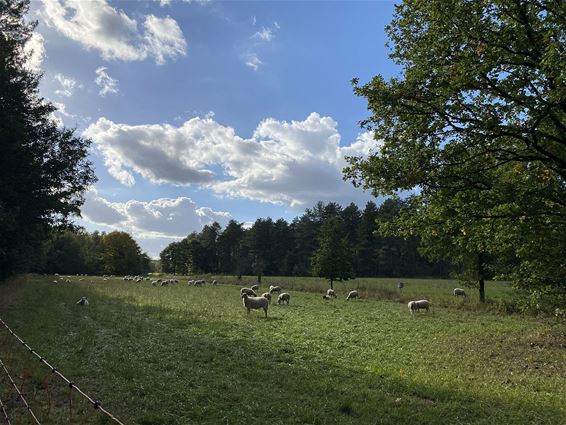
x=476, y=126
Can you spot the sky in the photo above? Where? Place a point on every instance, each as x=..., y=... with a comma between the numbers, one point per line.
x=203, y=111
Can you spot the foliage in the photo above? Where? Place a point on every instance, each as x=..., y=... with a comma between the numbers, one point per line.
x=332, y=259
x=476, y=124
x=43, y=168
x=73, y=252
x=275, y=248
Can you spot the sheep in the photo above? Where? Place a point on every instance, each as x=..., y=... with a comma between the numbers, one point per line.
x=274, y=289
x=418, y=305
x=248, y=291
x=284, y=297
x=331, y=293
x=199, y=282
x=459, y=292
x=352, y=294
x=327, y=297
x=214, y=282
x=191, y=282
x=255, y=302
x=255, y=287
x=266, y=295
x=82, y=301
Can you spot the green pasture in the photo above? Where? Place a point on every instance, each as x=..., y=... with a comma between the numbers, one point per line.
x=180, y=355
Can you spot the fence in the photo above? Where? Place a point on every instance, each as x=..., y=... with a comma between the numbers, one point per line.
x=37, y=386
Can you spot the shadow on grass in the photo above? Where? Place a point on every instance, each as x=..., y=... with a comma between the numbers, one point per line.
x=156, y=367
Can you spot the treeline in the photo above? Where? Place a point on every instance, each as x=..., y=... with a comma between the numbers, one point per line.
x=80, y=252
x=279, y=248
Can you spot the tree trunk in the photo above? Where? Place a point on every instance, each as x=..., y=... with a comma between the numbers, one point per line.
x=481, y=278
x=259, y=278
x=331, y=283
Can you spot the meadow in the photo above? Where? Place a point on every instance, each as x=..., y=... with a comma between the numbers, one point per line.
x=184, y=355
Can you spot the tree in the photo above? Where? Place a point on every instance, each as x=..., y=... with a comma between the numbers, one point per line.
x=122, y=255
x=476, y=124
x=332, y=260
x=44, y=168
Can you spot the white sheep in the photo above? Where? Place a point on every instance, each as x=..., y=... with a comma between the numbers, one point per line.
x=191, y=282
x=284, y=297
x=82, y=301
x=266, y=295
x=331, y=293
x=199, y=282
x=352, y=294
x=418, y=305
x=327, y=297
x=214, y=282
x=459, y=292
x=255, y=302
x=274, y=289
x=248, y=291
x=255, y=287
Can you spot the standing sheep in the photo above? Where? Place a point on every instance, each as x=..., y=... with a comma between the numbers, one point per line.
x=255, y=302
x=459, y=292
x=255, y=287
x=248, y=291
x=273, y=289
x=266, y=295
x=284, y=297
x=331, y=293
x=418, y=305
x=352, y=294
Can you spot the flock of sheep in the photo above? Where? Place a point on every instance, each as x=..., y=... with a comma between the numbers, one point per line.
x=252, y=301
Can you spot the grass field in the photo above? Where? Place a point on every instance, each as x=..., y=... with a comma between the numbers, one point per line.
x=184, y=355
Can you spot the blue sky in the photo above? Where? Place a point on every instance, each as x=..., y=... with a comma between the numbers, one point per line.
x=209, y=110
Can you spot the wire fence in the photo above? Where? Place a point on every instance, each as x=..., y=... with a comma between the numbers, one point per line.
x=40, y=385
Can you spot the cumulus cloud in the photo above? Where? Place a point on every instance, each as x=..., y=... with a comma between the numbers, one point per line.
x=164, y=218
x=293, y=163
x=66, y=85
x=35, y=51
x=97, y=25
x=253, y=61
x=160, y=217
x=106, y=83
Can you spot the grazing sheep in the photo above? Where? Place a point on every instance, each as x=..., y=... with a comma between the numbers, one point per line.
x=214, y=282
x=255, y=302
x=248, y=291
x=352, y=294
x=274, y=289
x=331, y=293
x=418, y=305
x=266, y=295
x=199, y=282
x=82, y=301
x=191, y=282
x=284, y=297
x=459, y=292
x=255, y=287
x=327, y=297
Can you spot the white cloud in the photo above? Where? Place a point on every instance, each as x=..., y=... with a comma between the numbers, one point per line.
x=163, y=38
x=97, y=25
x=35, y=51
x=154, y=223
x=265, y=34
x=67, y=85
x=253, y=61
x=106, y=83
x=293, y=163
